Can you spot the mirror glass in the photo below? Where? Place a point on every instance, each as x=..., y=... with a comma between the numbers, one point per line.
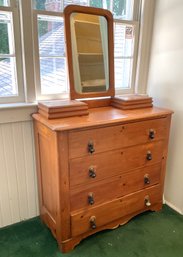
x=89, y=42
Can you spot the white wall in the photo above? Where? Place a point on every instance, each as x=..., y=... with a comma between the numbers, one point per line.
x=165, y=84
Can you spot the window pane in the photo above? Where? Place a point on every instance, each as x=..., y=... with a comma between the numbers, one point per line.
x=8, y=82
x=123, y=40
x=51, y=36
x=53, y=75
x=123, y=71
x=123, y=9
x=53, y=72
x=4, y=2
x=98, y=3
x=6, y=41
x=55, y=5
x=49, y=5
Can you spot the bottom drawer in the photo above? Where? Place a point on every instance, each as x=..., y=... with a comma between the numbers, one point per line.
x=87, y=220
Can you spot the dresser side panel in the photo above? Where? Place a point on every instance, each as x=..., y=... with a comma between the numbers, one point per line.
x=64, y=187
x=47, y=170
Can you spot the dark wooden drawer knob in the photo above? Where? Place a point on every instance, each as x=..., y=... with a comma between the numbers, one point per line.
x=149, y=156
x=146, y=179
x=151, y=134
x=93, y=222
x=91, y=148
x=147, y=201
x=91, y=199
x=92, y=173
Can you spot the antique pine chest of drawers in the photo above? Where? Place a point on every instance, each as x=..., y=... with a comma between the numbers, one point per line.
x=98, y=171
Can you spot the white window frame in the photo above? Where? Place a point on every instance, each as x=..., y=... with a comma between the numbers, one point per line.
x=131, y=89
x=134, y=22
x=13, y=9
x=24, y=49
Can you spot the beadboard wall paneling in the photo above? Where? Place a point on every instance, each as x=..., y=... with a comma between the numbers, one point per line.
x=18, y=184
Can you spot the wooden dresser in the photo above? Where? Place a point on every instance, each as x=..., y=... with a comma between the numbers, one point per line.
x=98, y=171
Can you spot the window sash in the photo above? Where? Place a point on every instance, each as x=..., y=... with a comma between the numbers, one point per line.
x=13, y=9
x=29, y=94
x=135, y=25
x=41, y=96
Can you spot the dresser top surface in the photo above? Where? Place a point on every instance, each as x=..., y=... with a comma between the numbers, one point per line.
x=102, y=116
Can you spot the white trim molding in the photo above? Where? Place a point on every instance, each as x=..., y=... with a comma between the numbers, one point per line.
x=17, y=112
x=27, y=50
x=173, y=207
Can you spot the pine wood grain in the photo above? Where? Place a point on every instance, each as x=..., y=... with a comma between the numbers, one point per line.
x=104, y=116
x=121, y=140
x=115, y=209
x=121, y=185
x=114, y=137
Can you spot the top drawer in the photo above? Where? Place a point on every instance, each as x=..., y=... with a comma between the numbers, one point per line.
x=93, y=141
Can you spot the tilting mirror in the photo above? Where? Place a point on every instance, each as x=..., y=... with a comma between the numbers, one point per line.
x=89, y=38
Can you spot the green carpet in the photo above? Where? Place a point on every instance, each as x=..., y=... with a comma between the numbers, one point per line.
x=152, y=234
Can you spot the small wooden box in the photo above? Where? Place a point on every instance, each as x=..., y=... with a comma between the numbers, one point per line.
x=62, y=108
x=127, y=102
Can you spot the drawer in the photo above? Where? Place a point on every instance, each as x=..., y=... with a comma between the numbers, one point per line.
x=82, y=143
x=113, y=163
x=96, y=217
x=88, y=196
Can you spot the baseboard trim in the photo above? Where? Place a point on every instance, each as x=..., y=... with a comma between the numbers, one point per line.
x=173, y=207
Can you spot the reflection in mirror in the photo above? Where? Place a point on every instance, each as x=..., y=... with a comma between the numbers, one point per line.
x=89, y=40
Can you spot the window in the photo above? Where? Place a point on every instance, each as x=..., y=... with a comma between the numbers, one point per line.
x=10, y=74
x=52, y=72
x=49, y=65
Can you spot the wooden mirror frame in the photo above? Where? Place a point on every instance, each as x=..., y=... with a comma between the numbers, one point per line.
x=93, y=11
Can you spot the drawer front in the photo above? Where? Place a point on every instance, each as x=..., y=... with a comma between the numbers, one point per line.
x=113, y=163
x=101, y=215
x=82, y=143
x=88, y=196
